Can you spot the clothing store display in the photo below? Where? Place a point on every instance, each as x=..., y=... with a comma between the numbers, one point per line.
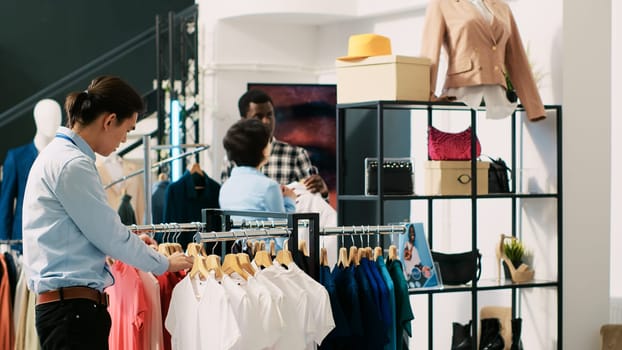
x=158, y=200
x=458, y=268
x=338, y=337
x=167, y=281
x=126, y=212
x=286, y=164
x=15, y=172
x=382, y=268
x=480, y=53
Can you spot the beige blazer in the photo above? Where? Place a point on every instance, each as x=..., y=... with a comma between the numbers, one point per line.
x=479, y=52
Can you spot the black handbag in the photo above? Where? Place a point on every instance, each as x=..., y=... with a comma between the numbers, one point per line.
x=397, y=177
x=498, y=179
x=458, y=268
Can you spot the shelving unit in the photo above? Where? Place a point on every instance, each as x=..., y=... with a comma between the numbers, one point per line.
x=369, y=129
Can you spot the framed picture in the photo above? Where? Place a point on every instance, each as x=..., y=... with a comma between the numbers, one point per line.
x=414, y=253
x=306, y=117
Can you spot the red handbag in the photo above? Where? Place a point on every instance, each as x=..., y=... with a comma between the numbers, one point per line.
x=451, y=146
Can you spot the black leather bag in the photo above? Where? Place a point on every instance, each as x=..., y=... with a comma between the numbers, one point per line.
x=397, y=177
x=458, y=268
x=498, y=179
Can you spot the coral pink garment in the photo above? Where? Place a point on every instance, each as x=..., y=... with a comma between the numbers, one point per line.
x=167, y=281
x=128, y=309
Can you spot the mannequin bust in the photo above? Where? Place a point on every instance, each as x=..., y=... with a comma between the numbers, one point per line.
x=47, y=114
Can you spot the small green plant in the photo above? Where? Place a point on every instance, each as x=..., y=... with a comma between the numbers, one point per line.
x=514, y=250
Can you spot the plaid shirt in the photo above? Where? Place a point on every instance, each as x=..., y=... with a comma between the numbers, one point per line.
x=287, y=164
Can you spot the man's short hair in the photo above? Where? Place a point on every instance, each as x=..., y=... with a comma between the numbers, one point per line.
x=252, y=96
x=245, y=141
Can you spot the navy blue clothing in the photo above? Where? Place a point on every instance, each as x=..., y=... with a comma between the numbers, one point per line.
x=385, y=306
x=184, y=203
x=126, y=212
x=375, y=335
x=158, y=198
x=403, y=309
x=373, y=284
x=15, y=171
x=339, y=336
x=348, y=294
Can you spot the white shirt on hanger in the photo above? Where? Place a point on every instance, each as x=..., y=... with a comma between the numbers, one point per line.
x=247, y=316
x=200, y=316
x=295, y=309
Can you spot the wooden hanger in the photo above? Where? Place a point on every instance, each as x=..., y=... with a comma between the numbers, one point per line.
x=194, y=249
x=377, y=253
x=324, y=257
x=163, y=249
x=177, y=248
x=256, y=247
x=272, y=248
x=302, y=246
x=198, y=267
x=212, y=263
x=232, y=264
x=343, y=257
x=354, y=257
x=245, y=262
x=284, y=257
x=198, y=176
x=393, y=252
x=262, y=259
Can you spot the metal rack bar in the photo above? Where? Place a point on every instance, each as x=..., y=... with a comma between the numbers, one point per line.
x=362, y=230
x=204, y=237
x=11, y=241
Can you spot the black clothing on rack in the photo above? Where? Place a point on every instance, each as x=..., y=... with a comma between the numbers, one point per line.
x=158, y=200
x=126, y=212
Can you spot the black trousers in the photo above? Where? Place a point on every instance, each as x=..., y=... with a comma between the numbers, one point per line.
x=72, y=324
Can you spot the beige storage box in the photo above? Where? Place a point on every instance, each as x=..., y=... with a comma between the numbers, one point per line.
x=453, y=177
x=387, y=77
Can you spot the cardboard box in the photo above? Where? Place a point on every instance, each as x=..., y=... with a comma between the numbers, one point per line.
x=388, y=78
x=453, y=177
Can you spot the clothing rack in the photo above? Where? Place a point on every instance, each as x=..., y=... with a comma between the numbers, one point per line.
x=11, y=241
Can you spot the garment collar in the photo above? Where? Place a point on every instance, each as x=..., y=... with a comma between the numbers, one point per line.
x=82, y=145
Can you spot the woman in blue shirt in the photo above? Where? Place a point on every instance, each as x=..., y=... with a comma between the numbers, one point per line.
x=68, y=226
x=247, y=143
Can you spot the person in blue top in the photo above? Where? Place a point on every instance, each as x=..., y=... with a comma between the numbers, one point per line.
x=69, y=228
x=247, y=143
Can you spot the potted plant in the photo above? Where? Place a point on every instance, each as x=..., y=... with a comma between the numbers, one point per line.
x=514, y=250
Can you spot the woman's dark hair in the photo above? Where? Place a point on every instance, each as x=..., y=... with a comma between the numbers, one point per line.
x=245, y=142
x=104, y=94
x=252, y=96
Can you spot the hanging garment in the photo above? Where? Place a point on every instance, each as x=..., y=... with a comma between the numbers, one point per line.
x=153, y=317
x=386, y=277
x=113, y=168
x=246, y=315
x=184, y=203
x=167, y=282
x=126, y=212
x=128, y=309
x=375, y=330
x=338, y=338
x=200, y=316
x=158, y=200
x=15, y=172
x=270, y=319
x=7, y=331
x=403, y=310
x=348, y=293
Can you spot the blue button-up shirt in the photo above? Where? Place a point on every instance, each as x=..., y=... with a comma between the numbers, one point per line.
x=68, y=226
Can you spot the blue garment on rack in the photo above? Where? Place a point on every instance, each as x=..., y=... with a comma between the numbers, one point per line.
x=383, y=293
x=348, y=294
x=339, y=336
x=382, y=268
x=403, y=309
x=375, y=335
x=373, y=283
x=184, y=203
x=158, y=200
x=15, y=172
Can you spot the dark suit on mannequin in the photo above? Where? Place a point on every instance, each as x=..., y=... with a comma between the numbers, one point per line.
x=17, y=165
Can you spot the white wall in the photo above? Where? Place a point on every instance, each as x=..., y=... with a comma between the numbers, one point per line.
x=616, y=144
x=274, y=48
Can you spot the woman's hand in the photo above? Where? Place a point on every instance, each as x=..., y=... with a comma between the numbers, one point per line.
x=179, y=261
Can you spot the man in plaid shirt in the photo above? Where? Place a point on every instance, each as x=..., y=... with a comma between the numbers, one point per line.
x=287, y=163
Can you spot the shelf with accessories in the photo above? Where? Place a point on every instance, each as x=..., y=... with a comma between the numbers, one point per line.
x=387, y=130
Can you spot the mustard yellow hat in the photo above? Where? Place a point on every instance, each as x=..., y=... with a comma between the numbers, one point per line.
x=366, y=45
